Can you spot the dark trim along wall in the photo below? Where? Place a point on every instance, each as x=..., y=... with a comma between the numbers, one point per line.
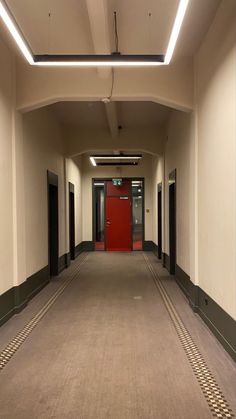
x=16, y=298
x=219, y=322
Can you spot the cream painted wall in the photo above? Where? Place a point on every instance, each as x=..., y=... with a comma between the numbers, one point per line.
x=144, y=169
x=81, y=140
x=176, y=156
x=6, y=175
x=169, y=85
x=216, y=110
x=43, y=150
x=73, y=175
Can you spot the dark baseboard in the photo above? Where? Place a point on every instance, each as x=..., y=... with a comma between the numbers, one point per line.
x=187, y=286
x=64, y=262
x=16, y=298
x=88, y=246
x=166, y=261
x=78, y=249
x=149, y=246
x=219, y=322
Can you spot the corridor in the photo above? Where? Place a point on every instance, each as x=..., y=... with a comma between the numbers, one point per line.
x=108, y=345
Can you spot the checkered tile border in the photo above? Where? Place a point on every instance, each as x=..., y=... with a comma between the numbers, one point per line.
x=18, y=340
x=211, y=390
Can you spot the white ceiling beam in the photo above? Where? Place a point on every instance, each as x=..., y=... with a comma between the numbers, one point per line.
x=99, y=26
x=111, y=113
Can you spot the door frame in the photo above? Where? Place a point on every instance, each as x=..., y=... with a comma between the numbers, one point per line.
x=72, y=251
x=173, y=259
x=159, y=190
x=99, y=179
x=52, y=179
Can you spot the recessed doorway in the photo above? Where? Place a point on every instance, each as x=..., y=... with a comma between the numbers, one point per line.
x=172, y=221
x=118, y=214
x=72, y=220
x=159, y=218
x=53, y=241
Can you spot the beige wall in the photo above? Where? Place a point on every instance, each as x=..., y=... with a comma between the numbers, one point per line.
x=176, y=156
x=74, y=176
x=6, y=170
x=144, y=169
x=81, y=140
x=216, y=110
x=43, y=150
x=171, y=86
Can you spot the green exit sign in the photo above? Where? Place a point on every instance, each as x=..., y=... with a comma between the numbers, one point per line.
x=117, y=182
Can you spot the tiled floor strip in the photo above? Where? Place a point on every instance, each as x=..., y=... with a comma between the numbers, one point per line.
x=211, y=390
x=17, y=341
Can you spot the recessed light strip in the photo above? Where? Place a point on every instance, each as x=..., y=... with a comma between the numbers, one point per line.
x=15, y=32
x=112, y=60
x=115, y=60
x=92, y=161
x=116, y=157
x=183, y=4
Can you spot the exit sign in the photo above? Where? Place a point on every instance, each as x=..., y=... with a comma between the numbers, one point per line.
x=117, y=182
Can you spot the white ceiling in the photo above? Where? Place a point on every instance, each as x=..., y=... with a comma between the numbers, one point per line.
x=144, y=26
x=93, y=114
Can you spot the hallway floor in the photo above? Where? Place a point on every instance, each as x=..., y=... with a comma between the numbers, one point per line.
x=108, y=348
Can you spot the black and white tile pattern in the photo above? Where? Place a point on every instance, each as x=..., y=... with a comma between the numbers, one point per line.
x=211, y=390
x=18, y=340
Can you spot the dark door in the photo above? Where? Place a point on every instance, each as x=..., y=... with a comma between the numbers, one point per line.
x=53, y=229
x=172, y=226
x=159, y=209
x=118, y=217
x=72, y=224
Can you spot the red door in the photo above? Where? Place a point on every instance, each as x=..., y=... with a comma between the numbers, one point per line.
x=118, y=217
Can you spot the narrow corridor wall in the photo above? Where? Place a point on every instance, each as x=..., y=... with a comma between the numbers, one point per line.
x=74, y=175
x=216, y=126
x=7, y=74
x=43, y=150
x=178, y=149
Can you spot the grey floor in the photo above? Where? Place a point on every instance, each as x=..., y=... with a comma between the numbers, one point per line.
x=107, y=349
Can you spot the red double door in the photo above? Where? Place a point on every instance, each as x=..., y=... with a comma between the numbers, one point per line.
x=118, y=216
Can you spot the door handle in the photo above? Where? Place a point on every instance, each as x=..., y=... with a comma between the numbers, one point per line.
x=108, y=222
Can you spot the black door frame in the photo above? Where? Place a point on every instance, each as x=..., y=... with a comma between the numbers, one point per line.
x=172, y=221
x=72, y=220
x=53, y=229
x=159, y=219
x=93, y=209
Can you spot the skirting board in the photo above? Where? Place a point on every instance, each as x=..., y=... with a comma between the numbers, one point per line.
x=222, y=325
x=16, y=298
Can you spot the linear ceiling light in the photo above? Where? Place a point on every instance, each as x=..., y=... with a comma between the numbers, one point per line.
x=115, y=160
x=116, y=157
x=15, y=32
x=109, y=60
x=93, y=161
x=183, y=4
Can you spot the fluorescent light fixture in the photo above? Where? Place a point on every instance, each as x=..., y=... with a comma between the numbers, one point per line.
x=116, y=157
x=15, y=32
x=115, y=160
x=98, y=63
x=110, y=60
x=98, y=184
x=98, y=60
x=92, y=161
x=183, y=4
